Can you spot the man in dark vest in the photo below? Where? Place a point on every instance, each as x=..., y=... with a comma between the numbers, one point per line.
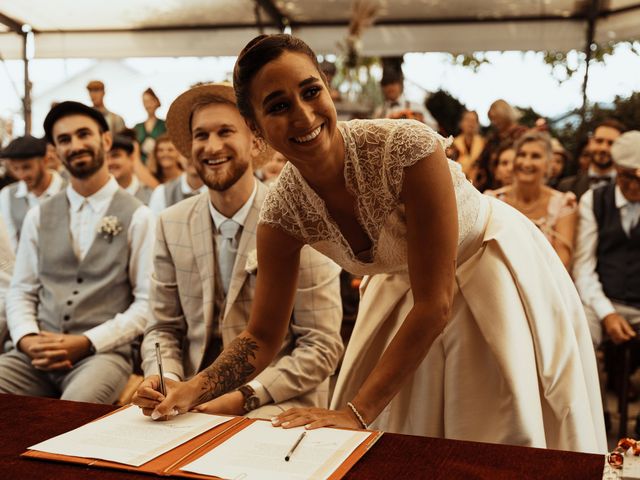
x=601, y=168
x=607, y=260
x=79, y=292
x=120, y=161
x=27, y=159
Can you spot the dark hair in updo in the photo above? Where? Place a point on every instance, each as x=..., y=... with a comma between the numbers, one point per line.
x=255, y=55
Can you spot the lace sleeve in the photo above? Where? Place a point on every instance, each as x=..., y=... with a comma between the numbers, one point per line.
x=278, y=207
x=408, y=142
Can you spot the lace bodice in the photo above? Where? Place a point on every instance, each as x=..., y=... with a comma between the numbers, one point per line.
x=376, y=153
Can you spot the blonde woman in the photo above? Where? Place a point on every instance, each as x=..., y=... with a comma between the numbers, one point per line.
x=554, y=212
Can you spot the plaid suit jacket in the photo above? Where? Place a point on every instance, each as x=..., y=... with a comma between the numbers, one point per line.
x=182, y=303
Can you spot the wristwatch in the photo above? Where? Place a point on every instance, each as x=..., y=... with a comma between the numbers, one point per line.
x=251, y=400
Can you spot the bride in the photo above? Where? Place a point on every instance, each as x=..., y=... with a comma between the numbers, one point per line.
x=469, y=326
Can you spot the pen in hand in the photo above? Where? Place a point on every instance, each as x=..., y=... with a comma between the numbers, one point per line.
x=295, y=445
x=163, y=388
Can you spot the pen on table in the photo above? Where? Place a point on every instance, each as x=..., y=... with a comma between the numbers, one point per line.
x=295, y=445
x=163, y=389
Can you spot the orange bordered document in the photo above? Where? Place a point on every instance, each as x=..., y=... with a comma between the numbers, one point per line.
x=205, y=446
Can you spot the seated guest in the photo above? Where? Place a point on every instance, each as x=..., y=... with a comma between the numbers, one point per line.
x=601, y=170
x=79, y=292
x=27, y=159
x=7, y=260
x=187, y=184
x=120, y=161
x=53, y=162
x=559, y=163
x=504, y=129
x=555, y=213
x=607, y=261
x=167, y=164
x=469, y=143
x=205, y=265
x=502, y=165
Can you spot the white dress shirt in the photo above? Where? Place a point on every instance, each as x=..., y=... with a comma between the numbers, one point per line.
x=6, y=268
x=23, y=192
x=601, y=183
x=158, y=200
x=585, y=259
x=133, y=187
x=240, y=217
x=84, y=213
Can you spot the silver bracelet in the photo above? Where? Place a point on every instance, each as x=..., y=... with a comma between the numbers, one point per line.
x=358, y=416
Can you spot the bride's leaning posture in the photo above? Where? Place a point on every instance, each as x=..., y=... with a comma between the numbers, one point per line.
x=469, y=326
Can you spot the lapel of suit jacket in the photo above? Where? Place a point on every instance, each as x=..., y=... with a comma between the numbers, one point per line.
x=247, y=243
x=201, y=229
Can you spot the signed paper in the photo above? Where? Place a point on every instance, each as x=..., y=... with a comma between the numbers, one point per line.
x=129, y=437
x=258, y=451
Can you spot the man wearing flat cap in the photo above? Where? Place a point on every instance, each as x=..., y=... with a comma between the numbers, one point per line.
x=120, y=161
x=205, y=267
x=27, y=159
x=96, y=93
x=607, y=259
x=79, y=292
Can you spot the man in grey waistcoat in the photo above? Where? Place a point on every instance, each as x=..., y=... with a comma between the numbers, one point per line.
x=120, y=162
x=27, y=159
x=79, y=292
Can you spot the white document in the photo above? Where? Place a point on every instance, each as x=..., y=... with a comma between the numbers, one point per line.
x=258, y=451
x=129, y=437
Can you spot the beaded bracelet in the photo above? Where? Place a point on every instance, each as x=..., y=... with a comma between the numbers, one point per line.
x=616, y=457
x=358, y=416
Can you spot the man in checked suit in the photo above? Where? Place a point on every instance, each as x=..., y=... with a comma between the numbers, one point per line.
x=204, y=278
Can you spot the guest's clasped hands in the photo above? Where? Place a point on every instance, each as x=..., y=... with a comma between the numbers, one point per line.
x=182, y=397
x=54, y=351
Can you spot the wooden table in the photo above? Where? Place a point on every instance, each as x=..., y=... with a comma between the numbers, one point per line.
x=25, y=421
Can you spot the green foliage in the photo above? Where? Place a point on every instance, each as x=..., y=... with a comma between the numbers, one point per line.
x=473, y=61
x=573, y=135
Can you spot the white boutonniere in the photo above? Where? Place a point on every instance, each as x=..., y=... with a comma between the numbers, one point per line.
x=252, y=262
x=109, y=227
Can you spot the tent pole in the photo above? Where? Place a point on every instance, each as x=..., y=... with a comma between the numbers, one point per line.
x=592, y=17
x=26, y=101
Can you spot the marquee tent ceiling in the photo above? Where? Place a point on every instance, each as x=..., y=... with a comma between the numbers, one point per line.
x=131, y=28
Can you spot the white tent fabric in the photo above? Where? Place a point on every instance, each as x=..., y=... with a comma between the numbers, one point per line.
x=147, y=28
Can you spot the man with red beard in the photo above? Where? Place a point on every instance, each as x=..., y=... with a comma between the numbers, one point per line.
x=79, y=292
x=205, y=272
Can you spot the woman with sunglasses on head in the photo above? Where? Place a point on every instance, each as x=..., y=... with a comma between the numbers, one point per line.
x=469, y=326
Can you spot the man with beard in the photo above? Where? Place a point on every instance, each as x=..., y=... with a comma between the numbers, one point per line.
x=601, y=169
x=27, y=158
x=79, y=292
x=204, y=273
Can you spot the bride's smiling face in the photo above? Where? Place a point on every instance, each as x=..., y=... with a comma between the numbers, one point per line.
x=293, y=108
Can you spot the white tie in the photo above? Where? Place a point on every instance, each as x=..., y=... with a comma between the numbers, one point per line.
x=228, y=249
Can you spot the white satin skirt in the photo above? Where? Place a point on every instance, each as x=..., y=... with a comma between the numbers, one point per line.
x=515, y=363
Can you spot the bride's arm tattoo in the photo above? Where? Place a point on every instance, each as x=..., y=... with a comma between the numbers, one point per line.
x=230, y=370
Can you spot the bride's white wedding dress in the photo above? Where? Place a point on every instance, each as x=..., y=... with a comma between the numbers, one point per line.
x=515, y=363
